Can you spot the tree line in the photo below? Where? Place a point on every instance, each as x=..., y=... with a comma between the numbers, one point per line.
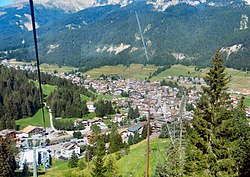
x=66, y=103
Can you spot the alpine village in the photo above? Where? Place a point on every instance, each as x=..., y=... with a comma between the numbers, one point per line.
x=124, y=88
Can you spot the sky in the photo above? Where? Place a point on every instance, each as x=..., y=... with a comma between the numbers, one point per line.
x=5, y=2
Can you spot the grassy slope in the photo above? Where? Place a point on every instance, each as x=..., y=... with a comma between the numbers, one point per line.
x=36, y=120
x=47, y=89
x=133, y=163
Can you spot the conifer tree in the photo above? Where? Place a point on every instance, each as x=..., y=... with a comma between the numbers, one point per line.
x=212, y=144
x=99, y=169
x=73, y=161
x=111, y=167
x=115, y=140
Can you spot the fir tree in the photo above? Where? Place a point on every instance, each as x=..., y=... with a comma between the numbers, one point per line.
x=73, y=161
x=111, y=167
x=115, y=140
x=211, y=142
x=99, y=169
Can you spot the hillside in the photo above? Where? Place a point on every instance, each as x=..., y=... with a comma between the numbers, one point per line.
x=183, y=33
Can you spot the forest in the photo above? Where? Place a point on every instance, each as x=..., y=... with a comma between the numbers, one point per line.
x=19, y=98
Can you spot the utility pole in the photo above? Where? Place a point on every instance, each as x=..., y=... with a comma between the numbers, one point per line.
x=147, y=151
x=34, y=162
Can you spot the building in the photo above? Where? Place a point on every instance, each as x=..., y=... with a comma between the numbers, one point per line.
x=91, y=106
x=9, y=133
x=68, y=148
x=32, y=130
x=136, y=128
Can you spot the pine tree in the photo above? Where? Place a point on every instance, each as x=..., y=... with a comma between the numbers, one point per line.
x=130, y=139
x=73, y=161
x=211, y=142
x=99, y=169
x=111, y=167
x=115, y=140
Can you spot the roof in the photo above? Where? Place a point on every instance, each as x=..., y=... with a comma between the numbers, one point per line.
x=90, y=103
x=7, y=131
x=29, y=128
x=69, y=146
x=134, y=128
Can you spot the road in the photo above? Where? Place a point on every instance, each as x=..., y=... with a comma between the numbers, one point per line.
x=50, y=118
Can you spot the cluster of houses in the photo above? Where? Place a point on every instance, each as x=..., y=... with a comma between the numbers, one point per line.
x=147, y=97
x=187, y=80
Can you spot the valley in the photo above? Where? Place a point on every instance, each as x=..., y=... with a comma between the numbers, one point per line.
x=127, y=88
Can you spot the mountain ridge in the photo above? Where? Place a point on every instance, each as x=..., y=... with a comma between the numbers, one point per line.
x=104, y=35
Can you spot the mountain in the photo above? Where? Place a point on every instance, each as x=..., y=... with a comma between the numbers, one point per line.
x=106, y=33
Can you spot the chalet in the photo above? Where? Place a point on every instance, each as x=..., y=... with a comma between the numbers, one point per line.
x=68, y=149
x=32, y=130
x=91, y=106
x=9, y=133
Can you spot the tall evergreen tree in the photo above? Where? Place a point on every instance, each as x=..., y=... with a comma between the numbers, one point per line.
x=99, y=169
x=73, y=161
x=212, y=146
x=111, y=167
x=115, y=140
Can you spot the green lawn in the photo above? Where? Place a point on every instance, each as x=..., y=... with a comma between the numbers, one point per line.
x=58, y=169
x=89, y=116
x=36, y=120
x=60, y=69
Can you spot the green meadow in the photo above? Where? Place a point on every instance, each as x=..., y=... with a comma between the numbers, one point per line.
x=36, y=120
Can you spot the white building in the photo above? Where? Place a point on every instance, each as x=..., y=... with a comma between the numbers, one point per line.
x=91, y=106
x=68, y=149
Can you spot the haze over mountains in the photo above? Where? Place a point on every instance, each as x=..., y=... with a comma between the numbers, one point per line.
x=93, y=33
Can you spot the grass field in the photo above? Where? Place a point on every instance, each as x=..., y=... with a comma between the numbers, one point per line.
x=59, y=167
x=59, y=69
x=47, y=89
x=89, y=116
x=135, y=71
x=36, y=120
